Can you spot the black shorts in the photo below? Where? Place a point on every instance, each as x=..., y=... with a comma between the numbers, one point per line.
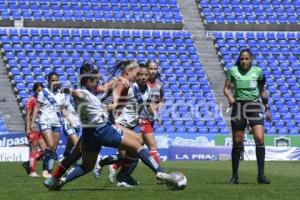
x=244, y=112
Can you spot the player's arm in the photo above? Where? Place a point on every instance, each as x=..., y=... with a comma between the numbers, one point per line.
x=110, y=84
x=105, y=87
x=227, y=92
x=118, y=88
x=75, y=93
x=34, y=113
x=27, y=119
x=66, y=114
x=264, y=96
x=161, y=100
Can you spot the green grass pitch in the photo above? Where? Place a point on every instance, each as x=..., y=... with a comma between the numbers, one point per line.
x=206, y=180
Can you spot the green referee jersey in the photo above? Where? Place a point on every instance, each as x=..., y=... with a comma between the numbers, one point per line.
x=245, y=84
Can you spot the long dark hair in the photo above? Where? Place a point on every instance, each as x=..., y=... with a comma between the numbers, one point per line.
x=237, y=63
x=37, y=85
x=51, y=74
x=86, y=74
x=157, y=76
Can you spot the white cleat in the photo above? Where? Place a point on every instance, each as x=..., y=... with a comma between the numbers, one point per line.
x=124, y=185
x=45, y=174
x=34, y=175
x=111, y=173
x=164, y=178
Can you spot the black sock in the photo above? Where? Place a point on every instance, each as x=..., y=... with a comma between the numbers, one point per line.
x=235, y=159
x=260, y=157
x=112, y=159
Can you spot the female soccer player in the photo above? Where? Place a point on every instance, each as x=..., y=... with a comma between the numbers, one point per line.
x=149, y=115
x=147, y=118
x=139, y=96
x=248, y=82
x=33, y=134
x=50, y=101
x=98, y=131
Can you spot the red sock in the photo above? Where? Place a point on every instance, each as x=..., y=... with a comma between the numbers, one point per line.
x=58, y=171
x=155, y=155
x=116, y=166
x=32, y=161
x=39, y=154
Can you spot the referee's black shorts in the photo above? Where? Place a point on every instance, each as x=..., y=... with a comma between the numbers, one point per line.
x=244, y=112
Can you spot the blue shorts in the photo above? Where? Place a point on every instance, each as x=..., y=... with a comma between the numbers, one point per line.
x=108, y=135
x=69, y=130
x=44, y=127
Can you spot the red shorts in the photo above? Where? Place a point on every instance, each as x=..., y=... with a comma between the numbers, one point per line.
x=146, y=126
x=34, y=136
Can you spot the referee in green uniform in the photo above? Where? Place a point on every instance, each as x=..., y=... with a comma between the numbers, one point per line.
x=248, y=82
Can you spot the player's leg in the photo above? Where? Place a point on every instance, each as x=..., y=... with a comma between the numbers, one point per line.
x=68, y=161
x=256, y=121
x=56, y=131
x=42, y=147
x=149, y=140
x=33, y=155
x=237, y=149
x=238, y=125
x=50, y=144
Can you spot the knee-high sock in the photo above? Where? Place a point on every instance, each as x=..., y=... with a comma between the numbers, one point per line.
x=39, y=155
x=112, y=159
x=32, y=161
x=52, y=160
x=59, y=171
x=144, y=155
x=155, y=155
x=47, y=155
x=75, y=172
x=127, y=167
x=260, y=157
x=235, y=159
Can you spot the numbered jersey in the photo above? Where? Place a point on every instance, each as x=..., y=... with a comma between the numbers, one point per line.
x=50, y=108
x=136, y=101
x=91, y=111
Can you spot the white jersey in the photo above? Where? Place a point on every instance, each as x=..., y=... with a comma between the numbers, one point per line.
x=50, y=108
x=136, y=101
x=91, y=111
x=69, y=105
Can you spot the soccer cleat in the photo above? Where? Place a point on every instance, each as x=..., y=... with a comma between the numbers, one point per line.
x=124, y=185
x=111, y=173
x=26, y=166
x=263, y=180
x=45, y=174
x=97, y=172
x=58, y=184
x=34, y=175
x=234, y=180
x=49, y=182
x=164, y=178
x=131, y=181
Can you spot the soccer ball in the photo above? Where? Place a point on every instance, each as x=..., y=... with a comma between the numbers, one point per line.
x=179, y=183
